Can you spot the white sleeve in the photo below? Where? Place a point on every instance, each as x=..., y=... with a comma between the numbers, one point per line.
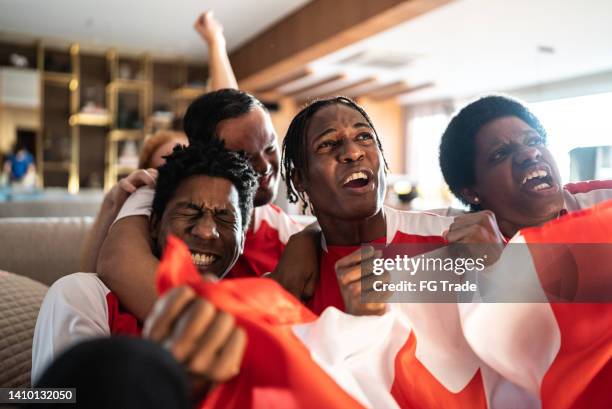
x=74, y=309
x=138, y=204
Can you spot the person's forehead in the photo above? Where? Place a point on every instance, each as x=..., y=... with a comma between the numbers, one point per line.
x=334, y=114
x=248, y=132
x=505, y=129
x=207, y=190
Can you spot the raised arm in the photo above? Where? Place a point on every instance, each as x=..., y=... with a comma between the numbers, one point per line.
x=127, y=265
x=111, y=205
x=220, y=69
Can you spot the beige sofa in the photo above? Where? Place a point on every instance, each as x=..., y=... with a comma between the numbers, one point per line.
x=34, y=252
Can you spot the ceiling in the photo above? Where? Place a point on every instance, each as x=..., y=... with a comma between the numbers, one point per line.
x=473, y=46
x=456, y=51
x=160, y=27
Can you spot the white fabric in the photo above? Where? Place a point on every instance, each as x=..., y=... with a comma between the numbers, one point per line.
x=74, y=309
x=578, y=201
x=410, y=223
x=138, y=204
x=277, y=219
x=415, y=223
x=359, y=353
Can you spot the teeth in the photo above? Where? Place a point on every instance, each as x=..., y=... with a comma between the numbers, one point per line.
x=356, y=175
x=541, y=186
x=203, y=259
x=534, y=174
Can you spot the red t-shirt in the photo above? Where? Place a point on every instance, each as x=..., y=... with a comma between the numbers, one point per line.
x=265, y=242
x=402, y=228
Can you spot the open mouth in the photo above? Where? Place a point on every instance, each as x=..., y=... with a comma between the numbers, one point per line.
x=203, y=260
x=537, y=180
x=264, y=181
x=356, y=180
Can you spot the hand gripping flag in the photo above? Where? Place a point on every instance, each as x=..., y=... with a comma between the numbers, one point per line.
x=296, y=359
x=277, y=370
x=560, y=351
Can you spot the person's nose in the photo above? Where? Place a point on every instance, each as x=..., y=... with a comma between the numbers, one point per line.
x=261, y=165
x=351, y=152
x=205, y=228
x=527, y=155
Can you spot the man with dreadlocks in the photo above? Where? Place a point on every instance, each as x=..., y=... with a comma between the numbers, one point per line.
x=333, y=160
x=204, y=196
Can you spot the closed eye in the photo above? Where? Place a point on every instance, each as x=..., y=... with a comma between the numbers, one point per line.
x=225, y=216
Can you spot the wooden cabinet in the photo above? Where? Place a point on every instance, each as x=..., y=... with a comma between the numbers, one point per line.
x=95, y=106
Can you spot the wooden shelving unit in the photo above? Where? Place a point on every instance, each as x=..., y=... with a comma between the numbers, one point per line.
x=85, y=119
x=78, y=144
x=71, y=81
x=143, y=89
x=186, y=92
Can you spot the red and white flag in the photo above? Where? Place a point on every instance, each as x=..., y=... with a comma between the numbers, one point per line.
x=417, y=355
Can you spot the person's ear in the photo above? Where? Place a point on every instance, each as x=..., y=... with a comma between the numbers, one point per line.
x=471, y=196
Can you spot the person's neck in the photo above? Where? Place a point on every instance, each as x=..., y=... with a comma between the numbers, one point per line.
x=345, y=232
x=510, y=228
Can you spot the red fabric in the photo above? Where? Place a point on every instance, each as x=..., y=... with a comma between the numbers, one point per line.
x=120, y=321
x=276, y=367
x=262, y=250
x=585, y=187
x=327, y=292
x=581, y=374
x=415, y=387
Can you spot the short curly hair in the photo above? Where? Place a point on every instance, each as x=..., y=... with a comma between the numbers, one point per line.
x=207, y=159
x=458, y=146
x=294, y=144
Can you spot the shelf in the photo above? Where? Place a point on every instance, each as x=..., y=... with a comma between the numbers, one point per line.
x=57, y=166
x=57, y=78
x=117, y=135
x=128, y=85
x=87, y=119
x=189, y=92
x=123, y=170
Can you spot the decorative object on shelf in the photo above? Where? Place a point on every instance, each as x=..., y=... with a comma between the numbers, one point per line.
x=162, y=118
x=125, y=71
x=94, y=98
x=19, y=61
x=91, y=107
x=128, y=158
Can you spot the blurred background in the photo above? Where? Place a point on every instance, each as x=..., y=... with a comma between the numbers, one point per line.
x=82, y=82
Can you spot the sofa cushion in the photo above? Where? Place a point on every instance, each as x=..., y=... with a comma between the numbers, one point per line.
x=20, y=300
x=42, y=248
